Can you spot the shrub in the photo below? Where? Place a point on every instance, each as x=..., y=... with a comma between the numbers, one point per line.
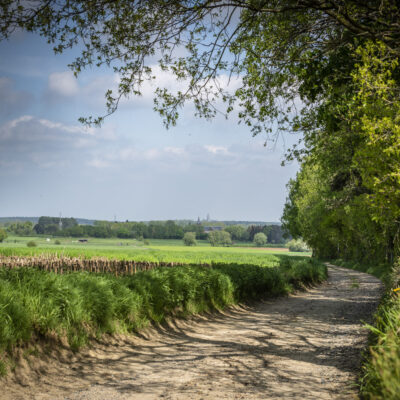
x=219, y=238
x=260, y=239
x=146, y=242
x=31, y=243
x=189, y=239
x=3, y=234
x=297, y=245
x=57, y=242
x=381, y=371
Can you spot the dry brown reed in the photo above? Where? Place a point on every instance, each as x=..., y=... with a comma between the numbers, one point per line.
x=61, y=264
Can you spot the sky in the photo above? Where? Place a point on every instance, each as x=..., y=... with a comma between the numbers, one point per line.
x=132, y=167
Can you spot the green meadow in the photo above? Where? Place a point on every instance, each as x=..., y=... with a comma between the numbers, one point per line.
x=152, y=250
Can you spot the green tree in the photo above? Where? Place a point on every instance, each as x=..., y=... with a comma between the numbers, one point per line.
x=345, y=200
x=297, y=245
x=3, y=234
x=272, y=45
x=189, y=239
x=260, y=239
x=21, y=228
x=219, y=238
x=237, y=232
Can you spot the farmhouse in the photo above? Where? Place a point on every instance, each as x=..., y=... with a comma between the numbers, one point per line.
x=212, y=228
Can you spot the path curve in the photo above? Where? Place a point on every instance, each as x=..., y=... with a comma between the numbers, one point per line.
x=305, y=346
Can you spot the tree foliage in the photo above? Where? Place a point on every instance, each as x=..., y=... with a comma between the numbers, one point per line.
x=345, y=201
x=21, y=228
x=189, y=239
x=219, y=238
x=3, y=234
x=270, y=46
x=260, y=239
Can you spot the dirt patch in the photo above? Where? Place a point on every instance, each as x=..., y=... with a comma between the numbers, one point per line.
x=277, y=249
x=306, y=346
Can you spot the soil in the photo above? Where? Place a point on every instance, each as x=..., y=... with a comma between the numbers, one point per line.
x=305, y=346
x=282, y=249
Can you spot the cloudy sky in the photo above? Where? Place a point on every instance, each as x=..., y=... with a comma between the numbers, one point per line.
x=131, y=167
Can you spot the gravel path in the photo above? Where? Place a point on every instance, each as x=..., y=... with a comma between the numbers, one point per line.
x=305, y=346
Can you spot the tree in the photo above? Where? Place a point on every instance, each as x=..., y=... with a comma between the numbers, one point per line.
x=237, y=232
x=3, y=234
x=297, y=245
x=271, y=45
x=21, y=228
x=219, y=238
x=260, y=239
x=345, y=200
x=189, y=239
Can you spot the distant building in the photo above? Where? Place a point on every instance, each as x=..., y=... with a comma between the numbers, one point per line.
x=212, y=228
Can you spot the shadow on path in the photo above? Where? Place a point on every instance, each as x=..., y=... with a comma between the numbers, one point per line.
x=304, y=346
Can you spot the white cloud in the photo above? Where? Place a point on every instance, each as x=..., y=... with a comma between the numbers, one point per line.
x=29, y=128
x=174, y=150
x=92, y=90
x=97, y=163
x=216, y=149
x=46, y=143
x=63, y=84
x=191, y=157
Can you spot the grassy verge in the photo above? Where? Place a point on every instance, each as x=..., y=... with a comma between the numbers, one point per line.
x=79, y=306
x=381, y=368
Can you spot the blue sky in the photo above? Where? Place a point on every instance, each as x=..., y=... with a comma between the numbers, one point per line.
x=131, y=167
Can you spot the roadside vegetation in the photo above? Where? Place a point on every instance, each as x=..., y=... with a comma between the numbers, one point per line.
x=380, y=378
x=78, y=306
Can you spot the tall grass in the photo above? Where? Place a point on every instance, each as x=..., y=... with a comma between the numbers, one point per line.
x=381, y=368
x=79, y=305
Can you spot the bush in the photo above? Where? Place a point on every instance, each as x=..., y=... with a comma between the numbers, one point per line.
x=381, y=371
x=146, y=242
x=260, y=239
x=219, y=238
x=3, y=234
x=189, y=239
x=57, y=242
x=31, y=243
x=297, y=245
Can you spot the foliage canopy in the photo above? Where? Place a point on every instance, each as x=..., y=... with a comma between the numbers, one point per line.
x=277, y=50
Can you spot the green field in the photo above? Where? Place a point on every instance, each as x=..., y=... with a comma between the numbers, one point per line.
x=155, y=251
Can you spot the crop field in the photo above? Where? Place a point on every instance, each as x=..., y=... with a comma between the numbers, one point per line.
x=157, y=251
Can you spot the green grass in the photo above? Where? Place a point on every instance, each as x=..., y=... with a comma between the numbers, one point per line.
x=381, y=367
x=158, y=250
x=79, y=306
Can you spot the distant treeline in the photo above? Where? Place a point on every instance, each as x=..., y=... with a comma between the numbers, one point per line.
x=139, y=230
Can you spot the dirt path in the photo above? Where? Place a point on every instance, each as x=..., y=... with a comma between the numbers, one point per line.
x=306, y=346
